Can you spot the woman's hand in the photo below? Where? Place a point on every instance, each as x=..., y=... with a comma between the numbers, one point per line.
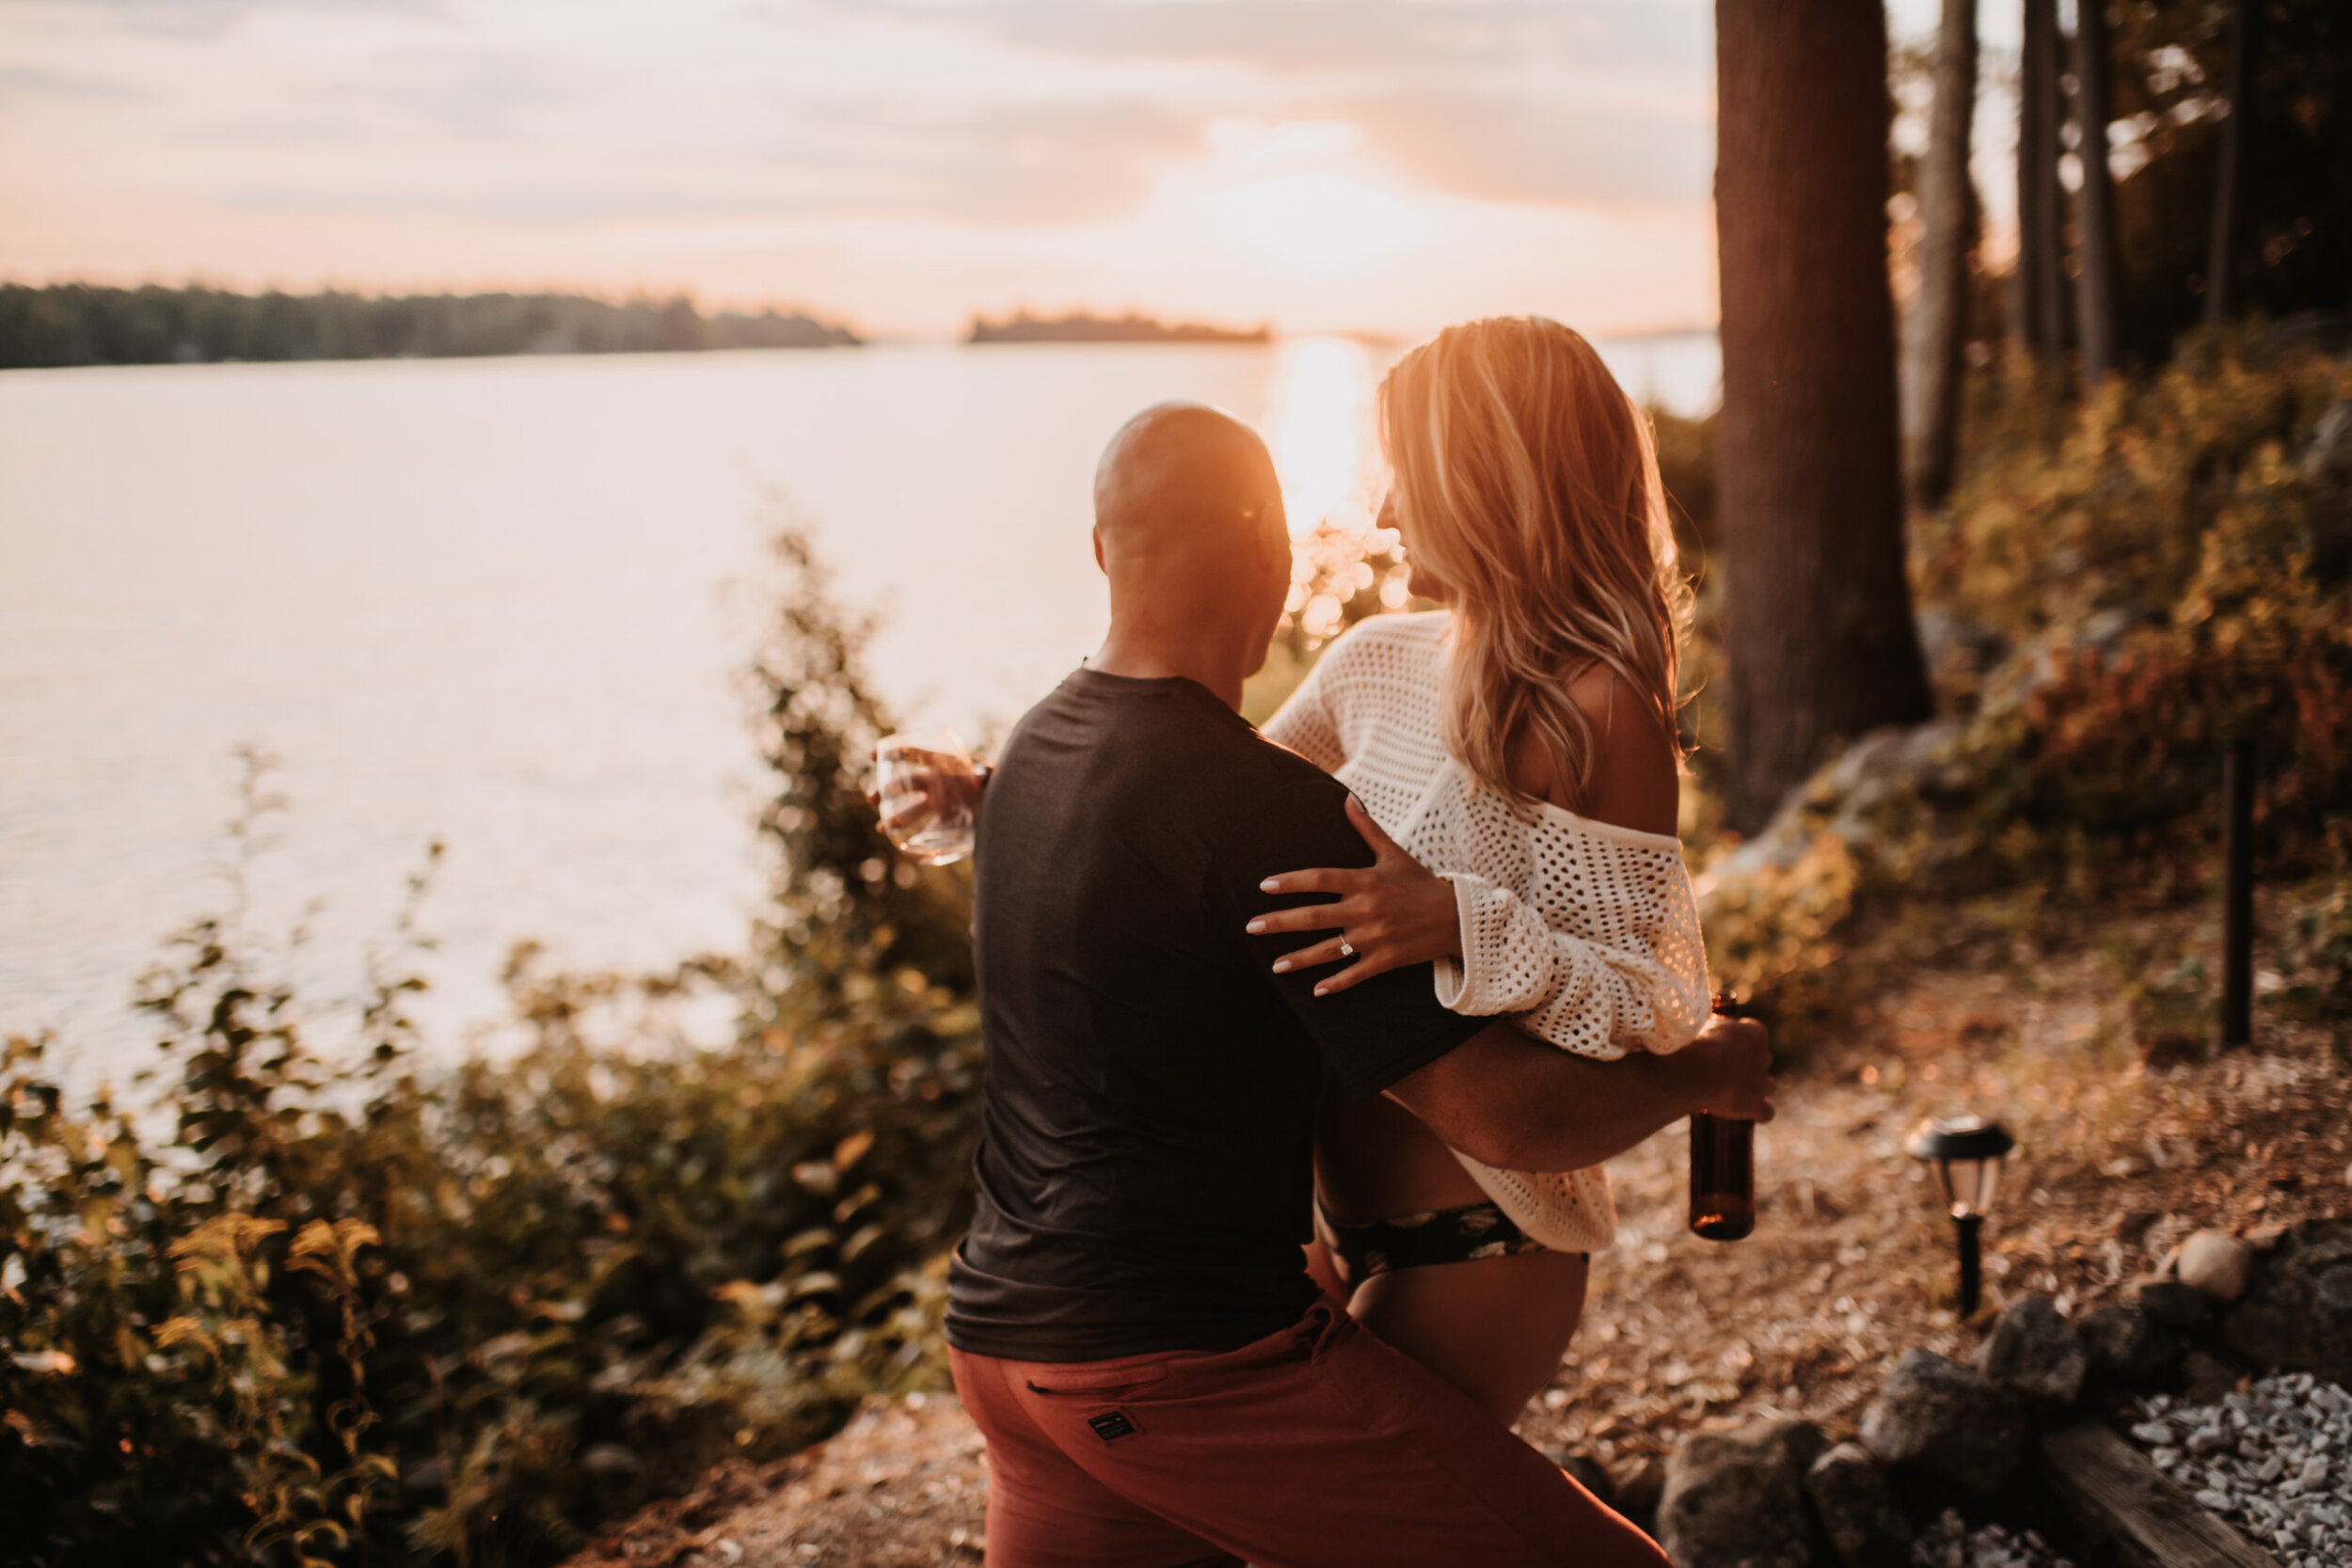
x=1390, y=914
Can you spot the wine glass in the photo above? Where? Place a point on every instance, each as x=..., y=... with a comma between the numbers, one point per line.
x=931, y=794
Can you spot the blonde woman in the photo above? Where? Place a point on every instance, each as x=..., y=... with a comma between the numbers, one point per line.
x=1516, y=751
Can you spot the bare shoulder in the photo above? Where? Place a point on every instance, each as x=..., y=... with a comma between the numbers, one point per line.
x=1635, y=782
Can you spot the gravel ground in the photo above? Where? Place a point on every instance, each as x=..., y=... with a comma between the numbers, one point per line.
x=1950, y=1544
x=2276, y=1460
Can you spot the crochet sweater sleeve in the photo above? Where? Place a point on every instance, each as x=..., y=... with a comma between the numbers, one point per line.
x=1588, y=931
x=1645, y=989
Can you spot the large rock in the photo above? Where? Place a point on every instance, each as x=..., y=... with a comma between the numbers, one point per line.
x=1736, y=1499
x=1948, y=1419
x=2125, y=1347
x=2035, y=1351
x=2207, y=1379
x=2297, y=1313
x=1857, y=1510
x=2173, y=1304
x=2215, y=1263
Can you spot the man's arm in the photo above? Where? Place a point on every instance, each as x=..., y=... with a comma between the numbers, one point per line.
x=1508, y=1102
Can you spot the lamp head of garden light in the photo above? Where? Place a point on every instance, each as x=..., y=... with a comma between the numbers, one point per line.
x=1964, y=1153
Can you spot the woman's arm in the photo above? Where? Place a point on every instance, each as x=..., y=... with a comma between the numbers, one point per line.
x=1581, y=994
x=1306, y=724
x=1397, y=913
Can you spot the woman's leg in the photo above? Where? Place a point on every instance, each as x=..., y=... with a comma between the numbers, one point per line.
x=1494, y=1328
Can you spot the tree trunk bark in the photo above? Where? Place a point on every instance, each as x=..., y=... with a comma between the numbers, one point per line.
x=1939, y=318
x=1817, y=617
x=2037, y=287
x=2097, y=311
x=2237, y=152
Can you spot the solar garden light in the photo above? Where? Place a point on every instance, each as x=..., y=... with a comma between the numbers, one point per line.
x=1964, y=1153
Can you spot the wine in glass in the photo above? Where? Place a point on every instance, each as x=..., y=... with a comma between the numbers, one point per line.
x=929, y=788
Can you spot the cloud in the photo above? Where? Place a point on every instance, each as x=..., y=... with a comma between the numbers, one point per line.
x=211, y=18
x=1015, y=166
x=1549, y=102
x=25, y=81
x=408, y=97
x=1542, y=150
x=476, y=96
x=1000, y=164
x=1315, y=35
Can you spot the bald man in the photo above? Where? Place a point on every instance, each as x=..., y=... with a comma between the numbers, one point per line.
x=1130, y=1317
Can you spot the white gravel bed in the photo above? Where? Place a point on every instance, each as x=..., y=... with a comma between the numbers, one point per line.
x=1950, y=1544
x=2276, y=1461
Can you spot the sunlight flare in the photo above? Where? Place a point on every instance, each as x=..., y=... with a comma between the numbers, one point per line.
x=1324, y=444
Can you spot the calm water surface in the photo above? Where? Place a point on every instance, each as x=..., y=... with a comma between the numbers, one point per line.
x=501, y=603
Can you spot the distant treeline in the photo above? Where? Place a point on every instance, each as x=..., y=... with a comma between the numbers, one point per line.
x=75, y=323
x=1026, y=329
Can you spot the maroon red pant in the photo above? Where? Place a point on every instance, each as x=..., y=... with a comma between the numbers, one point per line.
x=1318, y=1446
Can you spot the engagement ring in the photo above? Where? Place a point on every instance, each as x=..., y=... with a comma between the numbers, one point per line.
x=1346, y=951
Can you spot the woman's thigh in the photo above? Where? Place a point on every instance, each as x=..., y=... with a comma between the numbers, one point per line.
x=1494, y=1328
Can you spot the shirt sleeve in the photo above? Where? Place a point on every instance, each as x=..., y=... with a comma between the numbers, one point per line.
x=1374, y=1034
x=1307, y=724
x=1589, y=997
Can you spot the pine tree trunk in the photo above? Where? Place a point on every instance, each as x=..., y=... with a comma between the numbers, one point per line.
x=1818, y=618
x=2237, y=152
x=2037, y=287
x=2097, y=312
x=1939, y=318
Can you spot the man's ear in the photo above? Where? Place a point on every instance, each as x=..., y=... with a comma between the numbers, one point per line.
x=1100, y=564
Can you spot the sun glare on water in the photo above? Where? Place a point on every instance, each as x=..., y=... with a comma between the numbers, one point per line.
x=1324, y=448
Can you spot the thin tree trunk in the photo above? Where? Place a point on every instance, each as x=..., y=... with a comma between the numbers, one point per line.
x=2037, y=288
x=2237, y=152
x=1939, y=318
x=1818, y=618
x=2097, y=284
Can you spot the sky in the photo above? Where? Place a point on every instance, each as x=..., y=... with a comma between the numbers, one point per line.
x=1369, y=166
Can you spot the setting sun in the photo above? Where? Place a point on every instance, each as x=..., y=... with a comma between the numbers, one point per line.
x=1319, y=225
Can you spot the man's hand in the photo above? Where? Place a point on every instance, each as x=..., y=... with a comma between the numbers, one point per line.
x=1732, y=1059
x=938, y=786
x=1391, y=915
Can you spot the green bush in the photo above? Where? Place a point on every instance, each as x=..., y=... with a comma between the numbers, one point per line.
x=2146, y=576
x=327, y=1305
x=2175, y=575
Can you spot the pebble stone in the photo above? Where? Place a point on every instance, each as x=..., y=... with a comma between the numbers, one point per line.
x=2275, y=1461
x=1950, y=1544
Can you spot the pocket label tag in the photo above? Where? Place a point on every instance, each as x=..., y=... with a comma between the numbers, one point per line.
x=1111, y=1425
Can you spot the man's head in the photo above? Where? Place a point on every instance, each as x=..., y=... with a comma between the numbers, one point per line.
x=1189, y=526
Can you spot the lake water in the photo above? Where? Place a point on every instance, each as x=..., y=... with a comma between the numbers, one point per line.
x=503, y=602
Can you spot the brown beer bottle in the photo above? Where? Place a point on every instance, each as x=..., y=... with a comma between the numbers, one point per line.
x=1722, y=1167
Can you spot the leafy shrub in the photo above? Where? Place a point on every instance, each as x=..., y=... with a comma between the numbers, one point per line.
x=2156, y=572
x=2176, y=578
x=2318, y=953
x=325, y=1305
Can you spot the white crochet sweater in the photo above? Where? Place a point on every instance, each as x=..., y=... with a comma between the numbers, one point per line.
x=1586, y=930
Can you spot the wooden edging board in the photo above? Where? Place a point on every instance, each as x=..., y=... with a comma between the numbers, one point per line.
x=2122, y=1498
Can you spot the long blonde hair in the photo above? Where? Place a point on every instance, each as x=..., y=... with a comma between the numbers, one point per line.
x=1528, y=481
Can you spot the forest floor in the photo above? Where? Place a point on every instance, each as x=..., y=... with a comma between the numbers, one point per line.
x=2124, y=1148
